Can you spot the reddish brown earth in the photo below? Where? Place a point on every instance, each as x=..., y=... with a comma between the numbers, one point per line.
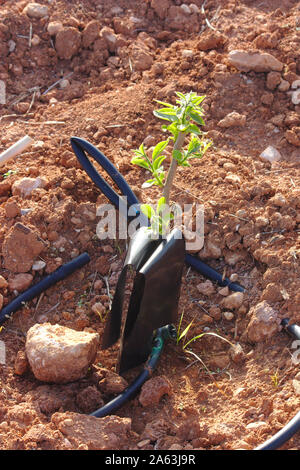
x=252, y=220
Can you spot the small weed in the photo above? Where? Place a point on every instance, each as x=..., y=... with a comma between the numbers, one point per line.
x=275, y=379
x=9, y=173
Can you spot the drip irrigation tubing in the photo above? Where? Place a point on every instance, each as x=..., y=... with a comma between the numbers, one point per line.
x=80, y=146
x=48, y=281
x=161, y=336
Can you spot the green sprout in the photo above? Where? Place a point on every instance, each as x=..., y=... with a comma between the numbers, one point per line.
x=9, y=173
x=185, y=119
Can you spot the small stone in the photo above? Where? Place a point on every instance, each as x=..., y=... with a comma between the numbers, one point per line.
x=255, y=425
x=187, y=53
x=21, y=365
x=233, y=301
x=12, y=209
x=271, y=154
x=11, y=45
x=36, y=10
x=185, y=8
x=161, y=7
x=296, y=97
x=1, y=301
x=206, y=288
x=67, y=42
x=264, y=322
x=233, y=119
x=35, y=41
x=54, y=27
x=64, y=84
x=267, y=98
x=224, y=291
x=279, y=200
x=99, y=309
x=153, y=390
x=20, y=282
x=273, y=80
x=3, y=283
x=256, y=61
x=293, y=136
x=38, y=265
x=2, y=92
x=237, y=354
x=283, y=85
x=90, y=33
x=25, y=186
x=233, y=179
x=228, y=316
x=296, y=84
x=20, y=248
x=59, y=354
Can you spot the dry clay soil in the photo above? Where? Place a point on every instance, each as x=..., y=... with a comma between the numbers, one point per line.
x=252, y=209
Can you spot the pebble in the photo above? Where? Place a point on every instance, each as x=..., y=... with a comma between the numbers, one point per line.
x=233, y=119
x=2, y=92
x=264, y=322
x=11, y=46
x=206, y=288
x=36, y=10
x=1, y=301
x=296, y=97
x=228, y=316
x=233, y=301
x=38, y=265
x=271, y=154
x=25, y=186
x=255, y=425
x=257, y=61
x=54, y=27
x=3, y=283
x=20, y=282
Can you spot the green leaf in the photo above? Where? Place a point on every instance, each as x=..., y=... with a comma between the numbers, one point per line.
x=195, y=116
x=159, y=148
x=157, y=163
x=167, y=105
x=166, y=116
x=147, y=210
x=177, y=155
x=160, y=204
x=140, y=162
x=149, y=183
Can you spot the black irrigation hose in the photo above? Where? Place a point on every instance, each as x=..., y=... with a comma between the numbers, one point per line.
x=293, y=426
x=61, y=273
x=161, y=336
x=80, y=146
x=282, y=436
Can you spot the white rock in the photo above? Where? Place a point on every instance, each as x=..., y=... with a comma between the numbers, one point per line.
x=11, y=45
x=2, y=92
x=38, y=265
x=255, y=425
x=187, y=53
x=36, y=10
x=2, y=353
x=64, y=83
x=58, y=354
x=25, y=186
x=54, y=27
x=228, y=316
x=296, y=97
x=194, y=8
x=296, y=84
x=271, y=154
x=186, y=9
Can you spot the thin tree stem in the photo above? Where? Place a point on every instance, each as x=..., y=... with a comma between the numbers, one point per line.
x=173, y=167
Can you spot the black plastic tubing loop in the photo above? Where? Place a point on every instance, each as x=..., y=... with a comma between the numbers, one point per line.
x=80, y=146
x=34, y=291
